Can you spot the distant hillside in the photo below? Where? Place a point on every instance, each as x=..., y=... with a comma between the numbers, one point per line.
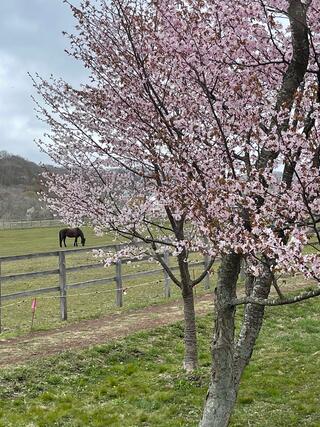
x=19, y=184
x=15, y=170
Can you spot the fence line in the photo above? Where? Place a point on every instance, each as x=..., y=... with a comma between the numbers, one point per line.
x=62, y=272
x=124, y=291
x=8, y=225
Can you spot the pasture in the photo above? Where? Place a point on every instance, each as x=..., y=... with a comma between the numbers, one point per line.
x=83, y=303
x=138, y=381
x=42, y=239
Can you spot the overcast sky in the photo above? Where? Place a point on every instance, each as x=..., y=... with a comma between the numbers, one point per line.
x=31, y=40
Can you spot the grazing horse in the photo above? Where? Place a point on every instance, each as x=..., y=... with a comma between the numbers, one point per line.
x=71, y=232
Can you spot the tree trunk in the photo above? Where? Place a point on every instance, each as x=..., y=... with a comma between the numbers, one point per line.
x=252, y=322
x=190, y=362
x=222, y=391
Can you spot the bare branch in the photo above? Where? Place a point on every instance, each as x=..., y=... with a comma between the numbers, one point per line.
x=204, y=273
x=278, y=301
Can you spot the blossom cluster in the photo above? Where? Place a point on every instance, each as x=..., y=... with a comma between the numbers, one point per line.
x=186, y=135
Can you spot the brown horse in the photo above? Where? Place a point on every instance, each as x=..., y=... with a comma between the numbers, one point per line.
x=71, y=232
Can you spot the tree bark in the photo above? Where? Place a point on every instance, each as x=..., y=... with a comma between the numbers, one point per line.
x=252, y=322
x=222, y=391
x=190, y=362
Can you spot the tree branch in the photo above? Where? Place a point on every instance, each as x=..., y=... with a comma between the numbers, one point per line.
x=278, y=301
x=204, y=273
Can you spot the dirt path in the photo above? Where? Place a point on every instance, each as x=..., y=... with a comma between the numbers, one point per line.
x=17, y=351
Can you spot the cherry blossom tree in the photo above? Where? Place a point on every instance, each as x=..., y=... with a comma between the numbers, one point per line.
x=108, y=138
x=200, y=119
x=259, y=75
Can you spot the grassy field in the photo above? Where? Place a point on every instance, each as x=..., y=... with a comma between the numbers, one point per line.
x=32, y=240
x=138, y=382
x=83, y=303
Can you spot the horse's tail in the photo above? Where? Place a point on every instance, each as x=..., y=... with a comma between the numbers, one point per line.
x=60, y=238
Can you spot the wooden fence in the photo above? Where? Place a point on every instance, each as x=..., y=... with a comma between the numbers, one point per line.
x=62, y=271
x=10, y=225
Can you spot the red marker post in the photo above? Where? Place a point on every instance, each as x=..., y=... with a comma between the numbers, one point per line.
x=33, y=310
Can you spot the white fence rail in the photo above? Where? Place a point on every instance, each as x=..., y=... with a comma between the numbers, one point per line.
x=8, y=225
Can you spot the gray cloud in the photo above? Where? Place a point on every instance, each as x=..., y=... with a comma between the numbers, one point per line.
x=31, y=41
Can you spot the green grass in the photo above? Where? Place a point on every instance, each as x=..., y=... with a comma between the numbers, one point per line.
x=138, y=381
x=46, y=239
x=83, y=303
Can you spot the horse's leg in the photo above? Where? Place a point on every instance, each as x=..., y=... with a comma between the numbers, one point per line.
x=64, y=241
x=75, y=242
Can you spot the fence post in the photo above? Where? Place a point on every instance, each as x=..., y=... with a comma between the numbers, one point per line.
x=207, y=278
x=63, y=286
x=119, y=291
x=0, y=300
x=167, y=290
